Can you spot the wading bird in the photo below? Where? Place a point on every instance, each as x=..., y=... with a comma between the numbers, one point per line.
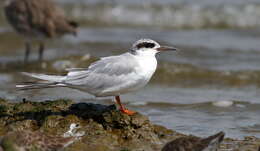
x=37, y=20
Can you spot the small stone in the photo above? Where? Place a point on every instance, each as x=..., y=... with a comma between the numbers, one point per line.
x=85, y=57
x=61, y=65
x=223, y=103
x=43, y=65
x=138, y=120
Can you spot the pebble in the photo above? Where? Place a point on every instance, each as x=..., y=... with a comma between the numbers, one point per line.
x=223, y=103
x=61, y=65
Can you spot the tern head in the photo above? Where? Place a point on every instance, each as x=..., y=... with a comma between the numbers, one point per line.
x=149, y=47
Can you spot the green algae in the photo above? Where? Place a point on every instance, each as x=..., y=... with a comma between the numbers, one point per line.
x=8, y=145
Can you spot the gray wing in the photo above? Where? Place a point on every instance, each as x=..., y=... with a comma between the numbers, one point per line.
x=105, y=73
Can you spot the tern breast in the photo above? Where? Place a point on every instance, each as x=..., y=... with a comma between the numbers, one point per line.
x=146, y=68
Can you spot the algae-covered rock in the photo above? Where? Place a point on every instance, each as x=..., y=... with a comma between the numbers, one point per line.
x=105, y=128
x=26, y=140
x=48, y=126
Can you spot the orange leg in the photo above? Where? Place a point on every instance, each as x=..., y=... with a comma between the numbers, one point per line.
x=122, y=108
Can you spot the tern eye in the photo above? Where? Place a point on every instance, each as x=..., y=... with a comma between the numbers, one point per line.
x=145, y=45
x=149, y=45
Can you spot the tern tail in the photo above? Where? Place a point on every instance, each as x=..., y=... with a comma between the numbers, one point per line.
x=38, y=85
x=51, y=78
x=49, y=81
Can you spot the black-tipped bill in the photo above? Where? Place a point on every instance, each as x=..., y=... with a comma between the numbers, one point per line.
x=166, y=48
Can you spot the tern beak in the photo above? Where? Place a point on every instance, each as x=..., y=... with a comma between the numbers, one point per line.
x=166, y=48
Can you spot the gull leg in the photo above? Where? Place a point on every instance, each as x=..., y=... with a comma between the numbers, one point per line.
x=122, y=108
x=41, y=50
x=27, y=52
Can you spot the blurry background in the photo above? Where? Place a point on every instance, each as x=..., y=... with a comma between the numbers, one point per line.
x=212, y=84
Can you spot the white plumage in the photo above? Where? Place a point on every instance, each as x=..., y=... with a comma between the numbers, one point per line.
x=110, y=76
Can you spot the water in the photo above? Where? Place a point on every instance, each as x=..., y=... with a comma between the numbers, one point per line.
x=212, y=84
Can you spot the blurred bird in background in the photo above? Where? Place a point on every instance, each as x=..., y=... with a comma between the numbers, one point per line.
x=38, y=20
x=192, y=143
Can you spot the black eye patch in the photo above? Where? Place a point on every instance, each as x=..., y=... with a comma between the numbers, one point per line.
x=145, y=45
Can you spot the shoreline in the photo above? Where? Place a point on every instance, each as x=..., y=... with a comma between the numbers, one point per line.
x=105, y=128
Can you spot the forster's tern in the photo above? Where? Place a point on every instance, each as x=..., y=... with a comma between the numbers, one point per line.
x=110, y=76
x=192, y=143
x=37, y=20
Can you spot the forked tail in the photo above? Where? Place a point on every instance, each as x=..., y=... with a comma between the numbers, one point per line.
x=38, y=85
x=48, y=81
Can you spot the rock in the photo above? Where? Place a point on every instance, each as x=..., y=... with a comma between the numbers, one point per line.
x=85, y=57
x=223, y=103
x=104, y=127
x=20, y=140
x=61, y=65
x=101, y=127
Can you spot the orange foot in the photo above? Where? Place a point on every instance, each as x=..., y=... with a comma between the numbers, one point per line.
x=128, y=112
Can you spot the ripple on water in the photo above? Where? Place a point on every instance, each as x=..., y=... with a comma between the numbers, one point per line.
x=204, y=118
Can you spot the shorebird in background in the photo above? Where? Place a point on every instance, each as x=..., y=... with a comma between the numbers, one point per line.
x=37, y=20
x=110, y=76
x=192, y=143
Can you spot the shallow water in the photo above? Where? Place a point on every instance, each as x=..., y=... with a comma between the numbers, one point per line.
x=218, y=62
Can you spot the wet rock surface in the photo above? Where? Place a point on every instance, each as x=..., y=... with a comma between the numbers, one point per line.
x=104, y=127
